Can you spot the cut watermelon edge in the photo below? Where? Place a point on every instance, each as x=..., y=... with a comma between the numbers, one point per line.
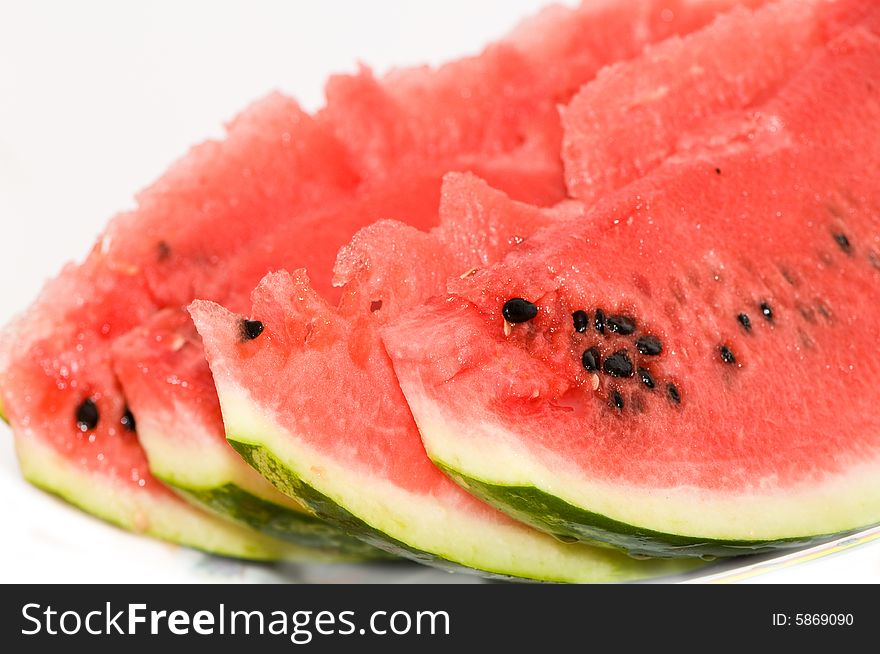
x=395, y=520
x=552, y=514
x=205, y=468
x=212, y=481
x=488, y=461
x=261, y=457
x=165, y=518
x=232, y=501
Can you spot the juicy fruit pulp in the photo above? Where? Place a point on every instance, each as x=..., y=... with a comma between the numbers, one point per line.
x=507, y=129
x=366, y=469
x=57, y=356
x=731, y=446
x=222, y=199
x=637, y=114
x=164, y=362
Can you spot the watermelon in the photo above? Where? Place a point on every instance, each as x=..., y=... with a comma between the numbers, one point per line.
x=683, y=372
x=165, y=357
x=421, y=124
x=358, y=461
x=74, y=433
x=168, y=386
x=494, y=114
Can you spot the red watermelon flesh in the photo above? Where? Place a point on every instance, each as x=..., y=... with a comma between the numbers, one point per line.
x=622, y=125
x=505, y=101
x=274, y=162
x=58, y=389
x=504, y=128
x=358, y=460
x=748, y=418
x=167, y=383
x=103, y=470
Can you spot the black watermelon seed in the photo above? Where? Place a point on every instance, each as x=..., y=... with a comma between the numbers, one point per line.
x=623, y=325
x=250, y=329
x=618, y=364
x=375, y=305
x=646, y=377
x=672, y=392
x=600, y=321
x=717, y=171
x=590, y=359
x=163, y=250
x=727, y=354
x=127, y=420
x=649, y=345
x=581, y=321
x=843, y=242
x=743, y=320
x=616, y=400
x=518, y=310
x=87, y=415
x=766, y=311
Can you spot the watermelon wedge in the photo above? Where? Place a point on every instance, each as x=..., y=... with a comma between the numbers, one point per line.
x=226, y=198
x=358, y=461
x=165, y=356
x=421, y=124
x=74, y=432
x=686, y=374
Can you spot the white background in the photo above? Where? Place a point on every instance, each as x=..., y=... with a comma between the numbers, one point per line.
x=96, y=99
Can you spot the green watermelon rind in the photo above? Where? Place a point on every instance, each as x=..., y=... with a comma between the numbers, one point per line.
x=270, y=466
x=554, y=515
x=211, y=475
x=165, y=517
x=510, y=480
x=258, y=445
x=234, y=502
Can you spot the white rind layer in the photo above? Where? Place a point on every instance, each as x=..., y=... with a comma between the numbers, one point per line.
x=484, y=540
x=490, y=453
x=200, y=463
x=163, y=516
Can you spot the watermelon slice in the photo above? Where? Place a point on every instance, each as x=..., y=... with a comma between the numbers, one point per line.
x=358, y=461
x=168, y=386
x=687, y=372
x=165, y=356
x=56, y=381
x=73, y=430
x=505, y=127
